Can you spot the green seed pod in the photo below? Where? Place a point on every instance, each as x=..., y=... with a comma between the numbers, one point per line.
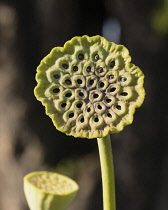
x=49, y=191
x=96, y=74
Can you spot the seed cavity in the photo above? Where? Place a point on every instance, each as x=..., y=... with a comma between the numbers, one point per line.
x=82, y=120
x=112, y=64
x=81, y=56
x=112, y=89
x=68, y=82
x=96, y=119
x=81, y=94
x=118, y=107
x=63, y=105
x=100, y=70
x=88, y=69
x=109, y=115
x=65, y=65
x=111, y=76
x=108, y=100
x=91, y=82
x=99, y=107
x=56, y=76
x=124, y=94
x=88, y=109
x=56, y=90
x=79, y=105
x=102, y=84
x=75, y=68
x=123, y=79
x=68, y=95
x=95, y=95
x=71, y=115
x=96, y=57
x=79, y=81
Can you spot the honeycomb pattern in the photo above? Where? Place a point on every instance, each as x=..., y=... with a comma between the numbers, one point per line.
x=52, y=183
x=89, y=87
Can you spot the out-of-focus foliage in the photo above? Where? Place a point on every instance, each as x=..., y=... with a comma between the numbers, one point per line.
x=160, y=17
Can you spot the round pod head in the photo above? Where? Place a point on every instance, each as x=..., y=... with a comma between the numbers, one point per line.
x=89, y=87
x=48, y=190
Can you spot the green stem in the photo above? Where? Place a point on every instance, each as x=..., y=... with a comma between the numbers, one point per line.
x=107, y=170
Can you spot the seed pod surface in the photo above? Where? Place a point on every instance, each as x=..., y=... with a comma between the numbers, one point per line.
x=48, y=190
x=89, y=87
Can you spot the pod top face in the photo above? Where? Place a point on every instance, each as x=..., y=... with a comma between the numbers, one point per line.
x=89, y=87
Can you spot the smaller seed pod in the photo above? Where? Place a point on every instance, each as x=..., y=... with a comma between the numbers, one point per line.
x=41, y=187
x=89, y=87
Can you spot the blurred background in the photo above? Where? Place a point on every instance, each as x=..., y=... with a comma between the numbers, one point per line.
x=28, y=140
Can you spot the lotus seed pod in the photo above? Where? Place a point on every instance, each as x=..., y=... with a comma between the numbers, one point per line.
x=89, y=87
x=49, y=191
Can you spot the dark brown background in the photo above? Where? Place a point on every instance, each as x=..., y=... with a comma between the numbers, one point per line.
x=28, y=140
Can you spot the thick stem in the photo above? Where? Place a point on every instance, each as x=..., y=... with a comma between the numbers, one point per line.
x=107, y=169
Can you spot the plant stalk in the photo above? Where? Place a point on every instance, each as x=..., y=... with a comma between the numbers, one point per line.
x=107, y=170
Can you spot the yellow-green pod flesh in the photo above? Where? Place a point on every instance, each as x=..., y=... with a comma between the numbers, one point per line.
x=89, y=87
x=49, y=191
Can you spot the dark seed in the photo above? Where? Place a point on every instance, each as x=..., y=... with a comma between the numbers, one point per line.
x=81, y=56
x=81, y=94
x=68, y=95
x=91, y=82
x=118, y=107
x=108, y=100
x=63, y=105
x=79, y=105
x=82, y=120
x=68, y=82
x=100, y=70
x=75, y=68
x=112, y=64
x=96, y=57
x=124, y=94
x=123, y=79
x=65, y=65
x=112, y=89
x=56, y=76
x=111, y=76
x=89, y=109
x=79, y=81
x=56, y=90
x=95, y=95
x=102, y=84
x=88, y=69
x=99, y=107
x=71, y=115
x=96, y=119
x=109, y=115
